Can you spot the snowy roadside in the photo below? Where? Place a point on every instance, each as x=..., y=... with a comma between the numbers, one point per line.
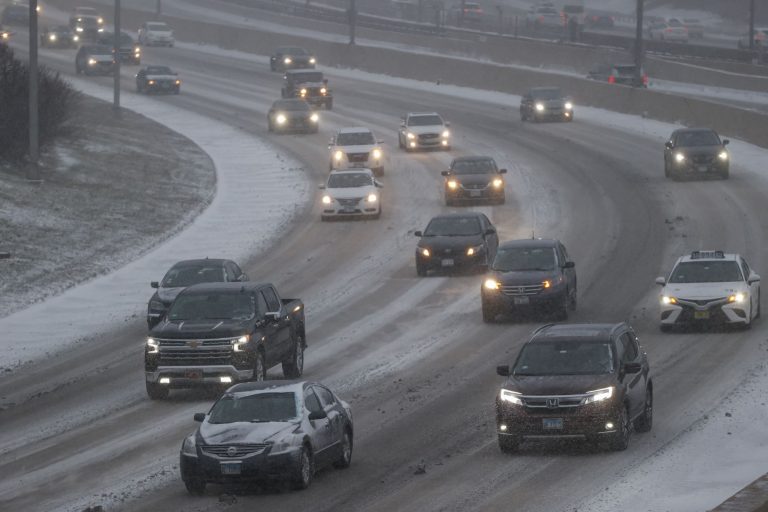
x=258, y=194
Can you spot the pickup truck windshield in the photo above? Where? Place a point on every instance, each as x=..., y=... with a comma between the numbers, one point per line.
x=187, y=276
x=565, y=358
x=212, y=306
x=706, y=272
x=263, y=407
x=520, y=259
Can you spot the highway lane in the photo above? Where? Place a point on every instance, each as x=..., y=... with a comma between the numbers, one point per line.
x=414, y=348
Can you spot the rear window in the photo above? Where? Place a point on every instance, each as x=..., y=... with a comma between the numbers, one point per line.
x=625, y=70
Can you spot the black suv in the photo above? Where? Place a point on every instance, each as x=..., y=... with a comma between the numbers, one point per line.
x=530, y=274
x=456, y=240
x=545, y=103
x=129, y=51
x=588, y=381
x=291, y=57
x=474, y=178
x=696, y=151
x=308, y=85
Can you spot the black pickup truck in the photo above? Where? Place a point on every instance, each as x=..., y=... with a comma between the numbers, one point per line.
x=308, y=85
x=223, y=333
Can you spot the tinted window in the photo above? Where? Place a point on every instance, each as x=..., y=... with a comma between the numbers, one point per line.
x=189, y=275
x=698, y=139
x=212, y=306
x=479, y=166
x=424, y=120
x=306, y=77
x=262, y=407
x=565, y=358
x=453, y=226
x=349, y=180
x=311, y=401
x=272, y=301
x=326, y=397
x=355, y=139
x=745, y=268
x=230, y=272
x=630, y=348
x=524, y=259
x=261, y=303
x=706, y=272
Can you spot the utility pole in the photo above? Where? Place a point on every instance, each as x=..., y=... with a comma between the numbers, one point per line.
x=352, y=15
x=751, y=24
x=158, y=9
x=639, y=42
x=116, y=55
x=461, y=14
x=33, y=171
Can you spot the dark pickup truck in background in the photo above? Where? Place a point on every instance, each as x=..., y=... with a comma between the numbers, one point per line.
x=223, y=333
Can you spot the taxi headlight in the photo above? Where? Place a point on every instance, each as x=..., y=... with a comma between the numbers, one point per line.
x=376, y=153
x=425, y=252
x=512, y=397
x=327, y=200
x=568, y=105
x=599, y=395
x=737, y=298
x=152, y=346
x=498, y=182
x=539, y=107
x=668, y=300
x=411, y=135
x=723, y=155
x=446, y=134
x=338, y=155
x=281, y=119
x=372, y=198
x=679, y=157
x=452, y=184
x=491, y=284
x=314, y=118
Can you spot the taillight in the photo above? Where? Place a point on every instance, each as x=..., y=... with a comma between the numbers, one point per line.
x=541, y=18
x=645, y=80
x=611, y=79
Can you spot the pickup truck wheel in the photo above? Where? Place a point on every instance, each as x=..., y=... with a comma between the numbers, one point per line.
x=157, y=391
x=294, y=367
x=508, y=444
x=304, y=470
x=259, y=368
x=644, y=422
x=421, y=270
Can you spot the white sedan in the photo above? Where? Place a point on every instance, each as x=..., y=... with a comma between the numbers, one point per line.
x=351, y=193
x=354, y=148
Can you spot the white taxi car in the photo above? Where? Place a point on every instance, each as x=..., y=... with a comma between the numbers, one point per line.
x=709, y=287
x=423, y=130
x=356, y=147
x=351, y=193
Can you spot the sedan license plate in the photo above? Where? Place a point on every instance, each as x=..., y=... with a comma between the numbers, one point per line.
x=703, y=168
x=701, y=315
x=519, y=301
x=475, y=193
x=193, y=374
x=230, y=468
x=552, y=423
x=447, y=262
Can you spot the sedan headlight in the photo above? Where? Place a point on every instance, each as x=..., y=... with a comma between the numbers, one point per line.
x=137, y=51
x=568, y=105
x=471, y=251
x=79, y=29
x=411, y=135
x=452, y=184
x=151, y=82
x=372, y=198
x=665, y=299
x=425, y=252
x=376, y=153
x=303, y=92
x=287, y=60
x=599, y=395
x=723, y=155
x=75, y=38
x=52, y=37
x=679, y=157
x=539, y=107
x=312, y=60
x=156, y=304
x=498, y=183
x=152, y=346
x=281, y=119
x=338, y=155
x=446, y=134
x=100, y=21
x=737, y=298
x=239, y=344
x=189, y=446
x=491, y=284
x=323, y=90
x=512, y=397
x=314, y=118
x=327, y=200
x=92, y=62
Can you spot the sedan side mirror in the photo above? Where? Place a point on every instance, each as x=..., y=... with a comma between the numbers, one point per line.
x=317, y=415
x=445, y=173
x=753, y=278
x=154, y=284
x=632, y=367
x=503, y=370
x=661, y=281
x=668, y=145
x=377, y=184
x=418, y=233
x=726, y=142
x=569, y=264
x=199, y=417
x=502, y=171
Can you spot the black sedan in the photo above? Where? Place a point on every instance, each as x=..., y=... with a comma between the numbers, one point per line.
x=474, y=178
x=94, y=59
x=696, y=152
x=186, y=273
x=58, y=37
x=530, y=275
x=542, y=103
x=292, y=115
x=269, y=430
x=157, y=79
x=456, y=240
x=291, y=57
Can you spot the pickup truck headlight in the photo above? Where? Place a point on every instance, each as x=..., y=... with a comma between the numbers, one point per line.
x=425, y=252
x=312, y=60
x=152, y=346
x=189, y=446
x=239, y=344
x=666, y=299
x=376, y=153
x=51, y=37
x=410, y=135
x=471, y=251
x=540, y=107
x=303, y=92
x=568, y=105
x=737, y=298
x=498, y=183
x=281, y=119
x=287, y=60
x=338, y=155
x=446, y=134
x=679, y=157
x=599, y=395
x=327, y=200
x=491, y=284
x=513, y=397
x=323, y=91
x=452, y=184
x=92, y=62
x=723, y=155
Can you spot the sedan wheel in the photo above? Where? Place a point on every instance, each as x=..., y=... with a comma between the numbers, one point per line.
x=195, y=486
x=304, y=470
x=345, y=458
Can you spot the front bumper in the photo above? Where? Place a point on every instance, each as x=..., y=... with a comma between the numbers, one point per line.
x=694, y=166
x=718, y=311
x=260, y=466
x=351, y=208
x=489, y=193
x=583, y=422
x=428, y=141
x=553, y=113
x=192, y=376
x=444, y=260
x=549, y=300
x=296, y=124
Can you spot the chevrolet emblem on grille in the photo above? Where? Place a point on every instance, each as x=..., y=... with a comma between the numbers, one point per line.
x=193, y=344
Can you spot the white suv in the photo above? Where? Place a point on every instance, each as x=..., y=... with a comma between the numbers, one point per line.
x=356, y=147
x=421, y=130
x=709, y=287
x=156, y=33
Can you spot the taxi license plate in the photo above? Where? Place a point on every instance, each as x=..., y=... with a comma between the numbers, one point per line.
x=230, y=468
x=447, y=262
x=701, y=315
x=193, y=374
x=552, y=423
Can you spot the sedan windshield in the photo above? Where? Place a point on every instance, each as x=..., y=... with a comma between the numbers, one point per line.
x=350, y=180
x=565, y=358
x=355, y=139
x=263, y=407
x=424, y=121
x=212, y=306
x=547, y=94
x=159, y=70
x=706, y=272
x=453, y=226
x=292, y=50
x=478, y=166
x=703, y=138
x=187, y=276
x=519, y=259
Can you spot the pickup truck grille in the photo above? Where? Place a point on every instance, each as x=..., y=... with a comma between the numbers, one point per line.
x=357, y=157
x=233, y=450
x=192, y=343
x=521, y=290
x=195, y=357
x=553, y=402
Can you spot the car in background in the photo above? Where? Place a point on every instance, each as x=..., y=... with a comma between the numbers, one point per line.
x=272, y=430
x=308, y=85
x=695, y=28
x=473, y=178
x=599, y=20
x=530, y=275
x=543, y=17
x=292, y=115
x=454, y=241
x=542, y=103
x=356, y=147
x=672, y=30
x=156, y=33
x=760, y=38
x=709, y=287
x=468, y=13
x=696, y=152
x=157, y=79
x=423, y=130
x=15, y=14
x=291, y=57
x=5, y=35
x=624, y=74
x=60, y=36
x=87, y=23
x=95, y=59
x=574, y=17
x=186, y=273
x=129, y=51
x=351, y=193
x=576, y=381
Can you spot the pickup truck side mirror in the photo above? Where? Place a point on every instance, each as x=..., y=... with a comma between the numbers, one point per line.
x=317, y=415
x=445, y=173
x=569, y=264
x=242, y=277
x=632, y=367
x=503, y=370
x=661, y=281
x=154, y=284
x=668, y=145
x=199, y=417
x=502, y=171
x=418, y=234
x=272, y=315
